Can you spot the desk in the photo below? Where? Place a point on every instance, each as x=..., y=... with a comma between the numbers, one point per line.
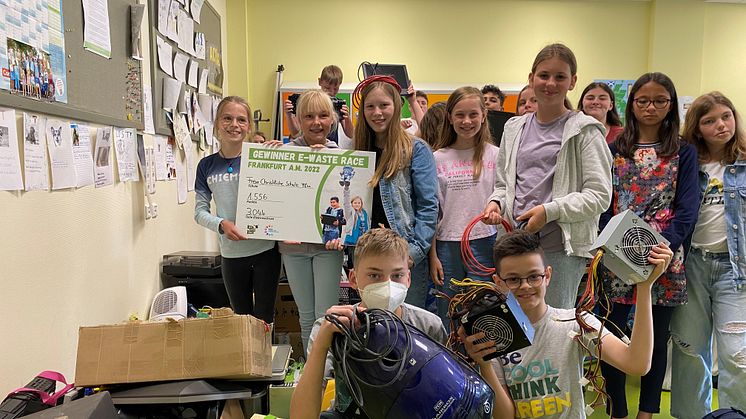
x=200, y=398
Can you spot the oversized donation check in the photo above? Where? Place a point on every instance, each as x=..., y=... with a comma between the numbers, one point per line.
x=304, y=194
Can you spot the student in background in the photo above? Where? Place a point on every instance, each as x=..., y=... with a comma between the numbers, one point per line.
x=554, y=174
x=422, y=100
x=597, y=100
x=715, y=269
x=250, y=267
x=329, y=81
x=560, y=345
x=526, y=101
x=494, y=98
x=654, y=175
x=258, y=137
x=382, y=277
x=314, y=270
x=412, y=125
x=432, y=123
x=465, y=161
x=404, y=182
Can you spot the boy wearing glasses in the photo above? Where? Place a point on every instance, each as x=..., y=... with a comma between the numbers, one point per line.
x=544, y=379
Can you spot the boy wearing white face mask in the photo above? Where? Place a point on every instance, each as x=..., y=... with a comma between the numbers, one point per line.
x=381, y=275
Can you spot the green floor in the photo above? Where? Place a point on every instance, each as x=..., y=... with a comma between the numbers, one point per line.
x=633, y=395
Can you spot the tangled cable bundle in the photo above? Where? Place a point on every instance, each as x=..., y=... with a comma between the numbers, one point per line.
x=352, y=345
x=467, y=256
x=358, y=92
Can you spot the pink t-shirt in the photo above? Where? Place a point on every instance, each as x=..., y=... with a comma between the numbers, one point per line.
x=461, y=197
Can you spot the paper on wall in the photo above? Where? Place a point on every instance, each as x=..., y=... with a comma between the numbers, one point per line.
x=208, y=134
x=126, y=152
x=172, y=29
x=196, y=9
x=145, y=163
x=205, y=105
x=82, y=154
x=170, y=160
x=191, y=168
x=102, y=167
x=165, y=59
x=150, y=169
x=181, y=131
x=163, y=7
x=171, y=92
x=10, y=159
x=203, y=81
x=180, y=66
x=181, y=180
x=185, y=30
x=159, y=151
x=147, y=109
x=137, y=11
x=193, y=71
x=35, y=152
x=198, y=119
x=96, y=29
x=60, y=147
x=199, y=45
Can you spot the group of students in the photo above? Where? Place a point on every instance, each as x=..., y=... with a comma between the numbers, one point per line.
x=556, y=180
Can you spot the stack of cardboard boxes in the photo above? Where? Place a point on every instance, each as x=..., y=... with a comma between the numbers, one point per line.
x=287, y=325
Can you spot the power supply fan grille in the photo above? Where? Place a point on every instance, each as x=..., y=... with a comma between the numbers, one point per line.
x=636, y=245
x=495, y=329
x=165, y=302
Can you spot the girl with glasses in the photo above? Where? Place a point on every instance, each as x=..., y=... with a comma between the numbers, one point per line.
x=654, y=175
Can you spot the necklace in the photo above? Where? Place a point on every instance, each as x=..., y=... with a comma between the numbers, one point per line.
x=230, y=163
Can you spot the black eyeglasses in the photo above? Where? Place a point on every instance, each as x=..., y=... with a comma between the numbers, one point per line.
x=643, y=103
x=531, y=280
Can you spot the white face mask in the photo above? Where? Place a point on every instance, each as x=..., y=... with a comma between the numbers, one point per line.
x=387, y=295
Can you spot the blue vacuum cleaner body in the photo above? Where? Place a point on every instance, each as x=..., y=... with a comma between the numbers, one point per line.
x=417, y=378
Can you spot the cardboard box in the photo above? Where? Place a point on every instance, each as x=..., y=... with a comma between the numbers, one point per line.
x=286, y=311
x=229, y=346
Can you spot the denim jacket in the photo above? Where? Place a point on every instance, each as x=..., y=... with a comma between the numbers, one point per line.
x=734, y=197
x=410, y=201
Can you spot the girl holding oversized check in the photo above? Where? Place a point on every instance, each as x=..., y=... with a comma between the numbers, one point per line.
x=250, y=267
x=294, y=194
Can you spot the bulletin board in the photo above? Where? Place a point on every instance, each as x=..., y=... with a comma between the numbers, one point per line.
x=210, y=26
x=99, y=90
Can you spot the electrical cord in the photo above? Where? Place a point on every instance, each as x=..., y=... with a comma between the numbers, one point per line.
x=352, y=346
x=358, y=92
x=467, y=256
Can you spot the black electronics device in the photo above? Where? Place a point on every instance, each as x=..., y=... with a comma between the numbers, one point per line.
x=191, y=263
x=496, y=121
x=337, y=103
x=97, y=406
x=397, y=71
x=25, y=403
x=328, y=219
x=502, y=321
x=294, y=100
x=200, y=272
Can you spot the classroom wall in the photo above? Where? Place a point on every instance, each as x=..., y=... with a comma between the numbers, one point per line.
x=84, y=257
x=479, y=41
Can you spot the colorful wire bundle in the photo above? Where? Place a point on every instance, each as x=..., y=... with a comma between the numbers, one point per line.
x=358, y=92
x=460, y=305
x=467, y=256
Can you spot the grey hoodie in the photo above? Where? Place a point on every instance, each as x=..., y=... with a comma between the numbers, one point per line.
x=581, y=188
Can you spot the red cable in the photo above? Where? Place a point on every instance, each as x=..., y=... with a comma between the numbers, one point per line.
x=467, y=256
x=358, y=92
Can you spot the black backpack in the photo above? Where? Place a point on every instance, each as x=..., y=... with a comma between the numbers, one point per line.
x=728, y=413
